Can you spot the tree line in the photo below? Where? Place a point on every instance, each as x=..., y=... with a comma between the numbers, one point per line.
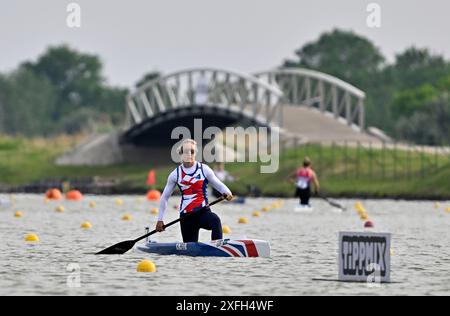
x=64, y=90
x=408, y=99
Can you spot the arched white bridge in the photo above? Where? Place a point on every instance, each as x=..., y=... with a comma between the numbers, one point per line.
x=328, y=94
x=259, y=97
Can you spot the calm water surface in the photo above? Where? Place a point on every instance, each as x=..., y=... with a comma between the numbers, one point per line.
x=304, y=247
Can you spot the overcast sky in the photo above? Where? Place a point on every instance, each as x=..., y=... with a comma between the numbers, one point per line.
x=137, y=36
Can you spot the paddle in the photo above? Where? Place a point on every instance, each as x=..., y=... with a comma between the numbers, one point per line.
x=124, y=246
x=334, y=204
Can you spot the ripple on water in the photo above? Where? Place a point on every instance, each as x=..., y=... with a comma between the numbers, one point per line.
x=304, y=246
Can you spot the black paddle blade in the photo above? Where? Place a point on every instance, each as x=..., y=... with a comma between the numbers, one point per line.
x=118, y=249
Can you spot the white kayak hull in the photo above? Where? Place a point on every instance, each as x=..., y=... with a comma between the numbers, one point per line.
x=219, y=248
x=303, y=209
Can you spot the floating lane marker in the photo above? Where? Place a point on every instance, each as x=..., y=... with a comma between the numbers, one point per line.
x=18, y=214
x=243, y=220
x=126, y=217
x=226, y=229
x=86, y=225
x=60, y=209
x=32, y=238
x=154, y=211
x=119, y=202
x=92, y=204
x=153, y=195
x=256, y=214
x=364, y=217
x=146, y=266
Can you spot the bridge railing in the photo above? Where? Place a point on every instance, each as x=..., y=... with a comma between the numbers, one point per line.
x=328, y=94
x=206, y=86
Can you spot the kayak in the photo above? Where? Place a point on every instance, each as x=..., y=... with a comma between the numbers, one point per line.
x=303, y=209
x=238, y=200
x=216, y=248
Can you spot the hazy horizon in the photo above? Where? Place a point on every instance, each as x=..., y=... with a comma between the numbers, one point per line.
x=140, y=36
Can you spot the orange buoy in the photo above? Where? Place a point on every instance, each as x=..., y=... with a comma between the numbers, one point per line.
x=74, y=195
x=53, y=194
x=153, y=195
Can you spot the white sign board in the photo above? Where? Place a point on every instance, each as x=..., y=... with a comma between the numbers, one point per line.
x=364, y=257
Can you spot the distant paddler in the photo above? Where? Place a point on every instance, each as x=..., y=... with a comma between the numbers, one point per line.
x=192, y=178
x=223, y=176
x=304, y=178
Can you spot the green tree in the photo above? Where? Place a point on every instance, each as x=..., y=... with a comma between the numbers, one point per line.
x=147, y=77
x=343, y=54
x=75, y=76
x=407, y=102
x=416, y=67
x=428, y=126
x=27, y=101
x=78, y=82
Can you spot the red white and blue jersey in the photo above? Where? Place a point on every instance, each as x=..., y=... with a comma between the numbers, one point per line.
x=192, y=182
x=193, y=188
x=304, y=178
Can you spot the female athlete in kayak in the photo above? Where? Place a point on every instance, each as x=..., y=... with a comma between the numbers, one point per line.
x=192, y=179
x=304, y=177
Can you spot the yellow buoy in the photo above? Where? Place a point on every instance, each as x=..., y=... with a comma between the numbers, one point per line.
x=436, y=205
x=256, y=214
x=46, y=200
x=364, y=217
x=226, y=229
x=119, y=202
x=265, y=209
x=447, y=209
x=86, y=225
x=126, y=217
x=60, y=209
x=146, y=266
x=18, y=214
x=359, y=207
x=392, y=252
x=154, y=211
x=32, y=238
x=92, y=204
x=243, y=220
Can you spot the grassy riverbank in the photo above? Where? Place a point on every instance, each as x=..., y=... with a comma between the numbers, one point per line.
x=343, y=171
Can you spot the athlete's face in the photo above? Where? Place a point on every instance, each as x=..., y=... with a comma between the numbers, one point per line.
x=189, y=153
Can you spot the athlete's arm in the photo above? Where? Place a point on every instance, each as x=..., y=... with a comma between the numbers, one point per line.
x=168, y=190
x=291, y=178
x=316, y=183
x=216, y=183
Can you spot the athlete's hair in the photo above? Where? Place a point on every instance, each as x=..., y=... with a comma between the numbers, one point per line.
x=306, y=162
x=186, y=141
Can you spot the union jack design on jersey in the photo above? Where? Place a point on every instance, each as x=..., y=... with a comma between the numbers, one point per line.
x=193, y=188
